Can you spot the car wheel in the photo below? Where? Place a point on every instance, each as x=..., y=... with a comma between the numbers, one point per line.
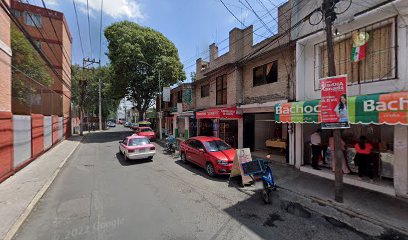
x=125, y=157
x=183, y=158
x=150, y=158
x=210, y=170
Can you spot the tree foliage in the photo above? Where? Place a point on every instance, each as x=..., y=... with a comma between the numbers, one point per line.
x=28, y=67
x=130, y=47
x=91, y=90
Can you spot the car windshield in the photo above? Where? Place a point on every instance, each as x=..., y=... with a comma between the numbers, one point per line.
x=146, y=130
x=138, y=142
x=216, y=145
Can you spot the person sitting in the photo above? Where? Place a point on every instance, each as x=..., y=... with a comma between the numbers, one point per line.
x=362, y=158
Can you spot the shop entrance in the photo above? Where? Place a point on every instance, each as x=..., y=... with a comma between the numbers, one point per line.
x=205, y=127
x=228, y=131
x=381, y=157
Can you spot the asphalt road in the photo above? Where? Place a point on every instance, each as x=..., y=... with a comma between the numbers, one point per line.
x=99, y=196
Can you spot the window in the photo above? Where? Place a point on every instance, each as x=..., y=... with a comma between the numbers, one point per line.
x=16, y=13
x=37, y=43
x=265, y=74
x=216, y=146
x=379, y=63
x=32, y=19
x=221, y=89
x=138, y=142
x=205, y=90
x=180, y=96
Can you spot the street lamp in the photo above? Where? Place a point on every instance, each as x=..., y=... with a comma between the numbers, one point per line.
x=160, y=101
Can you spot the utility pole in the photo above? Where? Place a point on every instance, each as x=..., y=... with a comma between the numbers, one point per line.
x=87, y=65
x=329, y=17
x=160, y=109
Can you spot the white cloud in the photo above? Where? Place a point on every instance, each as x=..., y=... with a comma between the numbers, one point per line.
x=114, y=8
x=51, y=3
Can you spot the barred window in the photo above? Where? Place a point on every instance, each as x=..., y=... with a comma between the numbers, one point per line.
x=378, y=64
x=205, y=90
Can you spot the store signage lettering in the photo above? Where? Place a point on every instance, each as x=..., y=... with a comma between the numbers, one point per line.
x=395, y=105
x=298, y=109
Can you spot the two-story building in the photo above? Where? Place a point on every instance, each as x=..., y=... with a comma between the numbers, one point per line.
x=178, y=117
x=235, y=93
x=377, y=88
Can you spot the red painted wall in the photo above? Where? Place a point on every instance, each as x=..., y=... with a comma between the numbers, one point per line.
x=6, y=145
x=37, y=134
x=54, y=129
x=66, y=128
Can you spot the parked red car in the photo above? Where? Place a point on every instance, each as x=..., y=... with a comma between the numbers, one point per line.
x=146, y=132
x=210, y=153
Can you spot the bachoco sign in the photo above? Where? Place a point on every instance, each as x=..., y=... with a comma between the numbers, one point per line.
x=389, y=108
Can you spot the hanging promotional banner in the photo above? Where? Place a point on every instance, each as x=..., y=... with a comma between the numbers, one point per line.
x=166, y=94
x=334, y=108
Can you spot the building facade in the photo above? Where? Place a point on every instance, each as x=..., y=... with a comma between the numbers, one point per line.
x=50, y=32
x=378, y=78
x=235, y=93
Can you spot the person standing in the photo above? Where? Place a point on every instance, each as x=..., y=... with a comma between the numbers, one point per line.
x=316, y=142
x=362, y=158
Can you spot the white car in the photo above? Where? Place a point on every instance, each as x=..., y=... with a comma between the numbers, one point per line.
x=111, y=124
x=137, y=147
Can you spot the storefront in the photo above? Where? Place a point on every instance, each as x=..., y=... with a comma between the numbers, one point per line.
x=220, y=122
x=185, y=124
x=382, y=118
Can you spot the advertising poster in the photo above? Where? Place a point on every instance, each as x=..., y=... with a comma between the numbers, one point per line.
x=166, y=94
x=334, y=107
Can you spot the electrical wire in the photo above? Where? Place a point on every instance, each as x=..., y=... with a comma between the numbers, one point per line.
x=89, y=27
x=100, y=33
x=11, y=15
x=79, y=29
x=44, y=38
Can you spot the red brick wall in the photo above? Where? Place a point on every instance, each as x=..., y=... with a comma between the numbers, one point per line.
x=54, y=129
x=37, y=134
x=66, y=128
x=6, y=145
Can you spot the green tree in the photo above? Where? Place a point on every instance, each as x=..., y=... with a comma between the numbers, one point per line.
x=91, y=90
x=27, y=66
x=130, y=47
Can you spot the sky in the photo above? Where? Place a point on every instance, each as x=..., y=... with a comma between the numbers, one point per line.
x=192, y=25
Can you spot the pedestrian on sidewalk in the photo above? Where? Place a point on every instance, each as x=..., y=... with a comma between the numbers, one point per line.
x=363, y=159
x=316, y=142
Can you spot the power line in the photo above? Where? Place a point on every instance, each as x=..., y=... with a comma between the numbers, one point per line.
x=11, y=15
x=56, y=35
x=224, y=40
x=79, y=30
x=43, y=37
x=100, y=33
x=233, y=43
x=89, y=27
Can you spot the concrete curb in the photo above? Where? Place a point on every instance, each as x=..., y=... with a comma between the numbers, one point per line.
x=343, y=209
x=19, y=222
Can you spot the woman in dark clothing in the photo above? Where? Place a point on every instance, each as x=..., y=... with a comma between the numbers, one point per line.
x=362, y=158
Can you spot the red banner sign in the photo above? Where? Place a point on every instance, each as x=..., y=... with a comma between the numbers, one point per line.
x=219, y=113
x=334, y=108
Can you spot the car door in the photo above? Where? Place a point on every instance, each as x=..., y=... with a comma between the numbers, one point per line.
x=200, y=155
x=193, y=151
x=123, y=145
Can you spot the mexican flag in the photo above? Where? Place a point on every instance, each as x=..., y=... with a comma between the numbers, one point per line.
x=358, y=53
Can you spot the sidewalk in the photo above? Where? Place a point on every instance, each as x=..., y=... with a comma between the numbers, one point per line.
x=387, y=211
x=20, y=192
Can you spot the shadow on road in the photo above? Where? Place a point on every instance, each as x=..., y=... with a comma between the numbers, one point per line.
x=122, y=161
x=201, y=172
x=103, y=137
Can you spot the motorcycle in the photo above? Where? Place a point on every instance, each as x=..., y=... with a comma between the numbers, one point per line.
x=170, y=144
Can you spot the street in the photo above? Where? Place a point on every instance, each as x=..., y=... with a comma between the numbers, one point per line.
x=99, y=196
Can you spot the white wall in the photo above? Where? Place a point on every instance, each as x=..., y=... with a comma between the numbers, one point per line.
x=22, y=139
x=47, y=132
x=60, y=128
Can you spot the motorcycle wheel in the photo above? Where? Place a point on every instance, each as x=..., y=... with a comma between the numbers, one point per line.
x=266, y=194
